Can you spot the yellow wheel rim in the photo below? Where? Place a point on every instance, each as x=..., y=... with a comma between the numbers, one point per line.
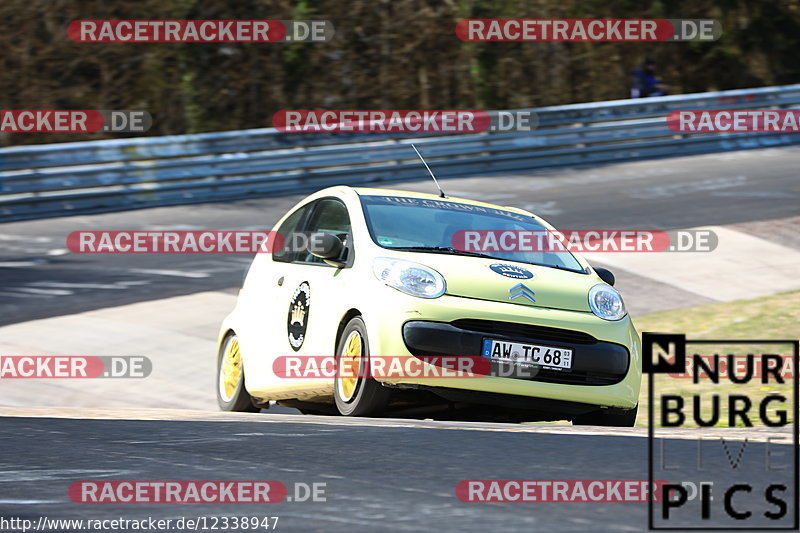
x=350, y=364
x=230, y=369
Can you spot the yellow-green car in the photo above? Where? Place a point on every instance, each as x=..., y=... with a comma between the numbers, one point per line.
x=382, y=278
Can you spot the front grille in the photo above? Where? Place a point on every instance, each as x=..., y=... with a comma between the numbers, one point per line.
x=509, y=329
x=576, y=378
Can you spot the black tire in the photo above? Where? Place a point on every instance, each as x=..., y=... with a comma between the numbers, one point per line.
x=369, y=398
x=239, y=400
x=621, y=418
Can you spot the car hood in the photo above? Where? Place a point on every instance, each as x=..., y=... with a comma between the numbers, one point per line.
x=474, y=277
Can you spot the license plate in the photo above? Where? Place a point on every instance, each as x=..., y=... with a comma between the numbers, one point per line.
x=528, y=354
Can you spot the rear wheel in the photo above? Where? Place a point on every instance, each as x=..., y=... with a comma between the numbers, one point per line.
x=356, y=393
x=231, y=394
x=608, y=417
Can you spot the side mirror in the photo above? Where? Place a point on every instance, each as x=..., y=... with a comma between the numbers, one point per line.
x=606, y=275
x=326, y=246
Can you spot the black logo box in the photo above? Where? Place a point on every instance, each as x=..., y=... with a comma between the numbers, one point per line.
x=679, y=341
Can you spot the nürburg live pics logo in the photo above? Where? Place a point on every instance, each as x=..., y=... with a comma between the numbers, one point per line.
x=737, y=468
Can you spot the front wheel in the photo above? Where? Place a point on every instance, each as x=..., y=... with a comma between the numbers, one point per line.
x=623, y=418
x=355, y=392
x=231, y=394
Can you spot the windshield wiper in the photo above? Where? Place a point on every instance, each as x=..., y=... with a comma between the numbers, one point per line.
x=440, y=249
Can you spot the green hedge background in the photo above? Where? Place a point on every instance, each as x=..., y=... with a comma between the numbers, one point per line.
x=386, y=54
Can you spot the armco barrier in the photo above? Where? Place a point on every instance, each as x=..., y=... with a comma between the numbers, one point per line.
x=109, y=175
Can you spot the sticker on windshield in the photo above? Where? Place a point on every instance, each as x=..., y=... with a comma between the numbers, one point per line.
x=298, y=315
x=444, y=205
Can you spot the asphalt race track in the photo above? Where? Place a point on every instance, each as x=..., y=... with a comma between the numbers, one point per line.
x=380, y=475
x=40, y=278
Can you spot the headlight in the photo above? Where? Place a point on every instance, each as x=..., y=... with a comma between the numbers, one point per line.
x=408, y=277
x=606, y=302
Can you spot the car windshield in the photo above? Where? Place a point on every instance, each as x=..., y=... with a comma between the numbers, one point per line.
x=436, y=226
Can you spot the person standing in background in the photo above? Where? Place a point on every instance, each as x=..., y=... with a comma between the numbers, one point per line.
x=644, y=82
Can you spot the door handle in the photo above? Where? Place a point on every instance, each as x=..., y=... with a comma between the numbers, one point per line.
x=280, y=281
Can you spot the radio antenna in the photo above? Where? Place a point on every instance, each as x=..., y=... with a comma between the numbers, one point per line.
x=441, y=192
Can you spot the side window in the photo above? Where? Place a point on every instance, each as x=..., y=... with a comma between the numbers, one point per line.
x=329, y=216
x=289, y=226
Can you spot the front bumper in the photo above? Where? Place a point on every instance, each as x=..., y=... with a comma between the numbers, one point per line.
x=594, y=362
x=608, y=352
